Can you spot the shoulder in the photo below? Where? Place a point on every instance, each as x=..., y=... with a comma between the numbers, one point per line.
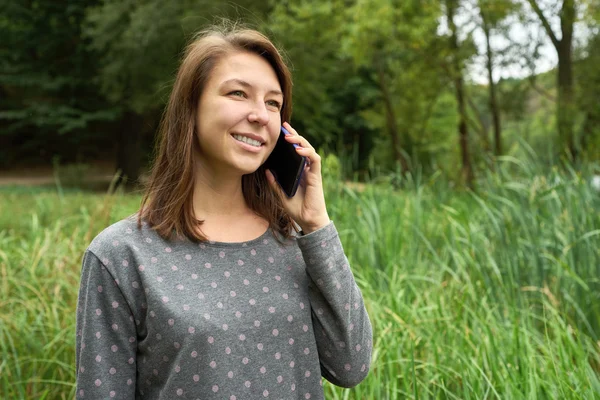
x=125, y=240
x=123, y=245
x=114, y=235
x=126, y=237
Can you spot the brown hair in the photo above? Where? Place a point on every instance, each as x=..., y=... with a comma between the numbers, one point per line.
x=167, y=201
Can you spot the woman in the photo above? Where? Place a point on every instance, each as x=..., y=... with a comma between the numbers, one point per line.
x=210, y=292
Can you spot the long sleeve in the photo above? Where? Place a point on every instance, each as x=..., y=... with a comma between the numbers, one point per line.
x=342, y=328
x=106, y=336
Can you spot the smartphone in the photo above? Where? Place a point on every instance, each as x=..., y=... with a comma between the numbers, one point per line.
x=286, y=164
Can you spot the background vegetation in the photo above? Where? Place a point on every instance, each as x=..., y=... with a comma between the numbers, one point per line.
x=494, y=295
x=419, y=84
x=472, y=223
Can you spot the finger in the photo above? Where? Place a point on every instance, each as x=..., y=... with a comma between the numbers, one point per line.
x=299, y=140
x=314, y=159
x=295, y=137
x=289, y=128
x=293, y=134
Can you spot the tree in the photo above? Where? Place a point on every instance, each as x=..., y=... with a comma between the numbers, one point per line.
x=564, y=50
x=455, y=68
x=492, y=13
x=137, y=43
x=397, y=42
x=329, y=92
x=587, y=99
x=48, y=100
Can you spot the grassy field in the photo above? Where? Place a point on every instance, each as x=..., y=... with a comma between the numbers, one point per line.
x=493, y=295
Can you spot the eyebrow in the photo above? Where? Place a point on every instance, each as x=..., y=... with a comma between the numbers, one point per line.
x=248, y=85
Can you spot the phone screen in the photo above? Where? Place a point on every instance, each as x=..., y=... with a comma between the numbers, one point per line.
x=286, y=164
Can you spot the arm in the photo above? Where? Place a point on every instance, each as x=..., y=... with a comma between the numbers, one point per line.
x=342, y=328
x=106, y=336
x=340, y=321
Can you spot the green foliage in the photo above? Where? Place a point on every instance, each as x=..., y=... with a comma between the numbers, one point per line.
x=331, y=170
x=76, y=75
x=328, y=92
x=588, y=94
x=63, y=118
x=46, y=67
x=137, y=42
x=48, y=98
x=495, y=11
x=397, y=43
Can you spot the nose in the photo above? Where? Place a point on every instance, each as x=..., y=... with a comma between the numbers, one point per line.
x=259, y=114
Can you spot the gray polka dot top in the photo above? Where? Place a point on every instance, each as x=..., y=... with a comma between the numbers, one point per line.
x=262, y=319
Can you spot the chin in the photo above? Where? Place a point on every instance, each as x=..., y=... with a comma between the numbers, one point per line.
x=247, y=170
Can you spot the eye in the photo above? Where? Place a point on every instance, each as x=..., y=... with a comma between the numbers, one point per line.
x=274, y=103
x=237, y=93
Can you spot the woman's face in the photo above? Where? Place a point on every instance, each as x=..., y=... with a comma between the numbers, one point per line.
x=238, y=117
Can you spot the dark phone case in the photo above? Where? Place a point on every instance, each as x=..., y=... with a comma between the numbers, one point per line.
x=287, y=165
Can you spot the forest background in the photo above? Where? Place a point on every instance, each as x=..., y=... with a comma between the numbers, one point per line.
x=435, y=86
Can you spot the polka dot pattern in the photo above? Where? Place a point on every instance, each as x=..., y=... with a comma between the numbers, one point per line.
x=160, y=319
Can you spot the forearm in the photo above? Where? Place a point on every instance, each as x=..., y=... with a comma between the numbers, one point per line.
x=342, y=327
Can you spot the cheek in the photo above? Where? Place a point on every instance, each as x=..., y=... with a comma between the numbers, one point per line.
x=220, y=112
x=275, y=127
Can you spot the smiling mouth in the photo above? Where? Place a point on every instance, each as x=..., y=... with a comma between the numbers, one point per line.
x=247, y=140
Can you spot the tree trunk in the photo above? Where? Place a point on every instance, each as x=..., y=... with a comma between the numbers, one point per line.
x=467, y=168
x=479, y=126
x=457, y=78
x=492, y=88
x=128, y=151
x=565, y=105
x=390, y=118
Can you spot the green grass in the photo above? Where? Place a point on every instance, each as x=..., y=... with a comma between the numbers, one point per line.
x=490, y=295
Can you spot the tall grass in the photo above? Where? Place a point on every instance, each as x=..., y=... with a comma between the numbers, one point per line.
x=42, y=235
x=494, y=294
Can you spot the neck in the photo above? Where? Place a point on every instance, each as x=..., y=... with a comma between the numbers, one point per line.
x=218, y=195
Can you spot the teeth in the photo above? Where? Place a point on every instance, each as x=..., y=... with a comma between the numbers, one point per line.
x=245, y=139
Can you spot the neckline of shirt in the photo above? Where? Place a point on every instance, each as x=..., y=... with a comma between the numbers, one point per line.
x=265, y=236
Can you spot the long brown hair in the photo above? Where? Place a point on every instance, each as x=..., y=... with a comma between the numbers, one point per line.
x=167, y=202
